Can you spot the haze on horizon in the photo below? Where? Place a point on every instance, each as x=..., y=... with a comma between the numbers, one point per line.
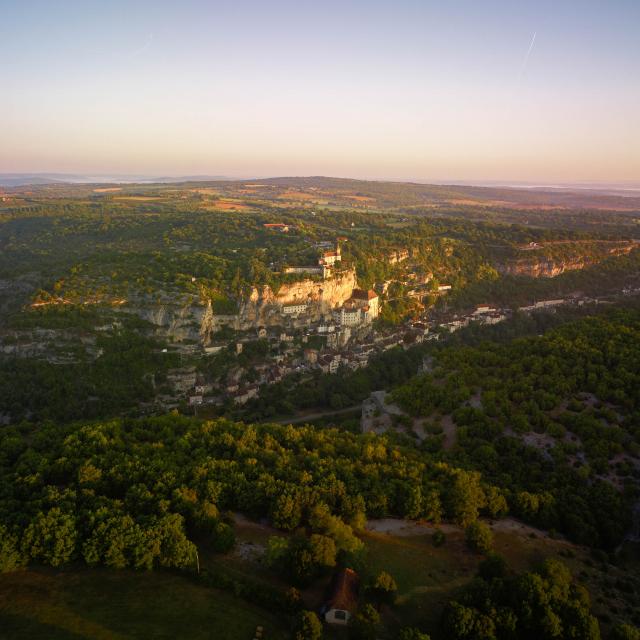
x=493, y=90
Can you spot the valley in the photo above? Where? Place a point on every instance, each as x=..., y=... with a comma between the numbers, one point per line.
x=234, y=392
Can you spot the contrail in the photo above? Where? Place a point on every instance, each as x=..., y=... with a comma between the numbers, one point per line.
x=144, y=47
x=526, y=58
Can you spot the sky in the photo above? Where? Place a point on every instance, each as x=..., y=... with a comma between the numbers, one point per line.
x=536, y=91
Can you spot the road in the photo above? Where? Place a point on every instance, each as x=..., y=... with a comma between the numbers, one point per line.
x=297, y=419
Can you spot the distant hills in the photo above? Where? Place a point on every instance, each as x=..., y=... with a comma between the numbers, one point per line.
x=26, y=179
x=380, y=194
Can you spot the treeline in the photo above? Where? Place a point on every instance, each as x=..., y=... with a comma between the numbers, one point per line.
x=128, y=371
x=546, y=603
x=139, y=492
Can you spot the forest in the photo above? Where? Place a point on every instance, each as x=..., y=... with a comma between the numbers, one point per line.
x=565, y=404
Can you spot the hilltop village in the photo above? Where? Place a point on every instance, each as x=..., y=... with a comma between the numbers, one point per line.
x=320, y=323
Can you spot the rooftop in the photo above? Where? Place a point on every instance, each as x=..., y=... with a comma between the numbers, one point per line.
x=361, y=294
x=344, y=590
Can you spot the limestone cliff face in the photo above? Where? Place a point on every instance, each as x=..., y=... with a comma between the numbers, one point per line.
x=196, y=321
x=264, y=307
x=176, y=322
x=536, y=267
x=542, y=268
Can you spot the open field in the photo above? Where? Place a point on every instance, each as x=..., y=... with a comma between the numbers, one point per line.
x=118, y=605
x=100, y=604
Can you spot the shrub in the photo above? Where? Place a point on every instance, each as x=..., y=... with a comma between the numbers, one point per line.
x=307, y=627
x=438, y=538
x=478, y=537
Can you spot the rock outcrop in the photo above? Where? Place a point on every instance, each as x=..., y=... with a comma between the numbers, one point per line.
x=195, y=321
x=540, y=267
x=264, y=307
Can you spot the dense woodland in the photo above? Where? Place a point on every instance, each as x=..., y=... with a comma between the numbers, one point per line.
x=577, y=389
x=138, y=492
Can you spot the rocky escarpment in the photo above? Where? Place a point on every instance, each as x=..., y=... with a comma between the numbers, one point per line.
x=264, y=307
x=543, y=267
x=194, y=321
x=179, y=322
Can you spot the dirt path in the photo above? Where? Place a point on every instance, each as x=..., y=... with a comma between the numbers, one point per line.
x=301, y=418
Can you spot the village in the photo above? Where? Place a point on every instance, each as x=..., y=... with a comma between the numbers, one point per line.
x=304, y=340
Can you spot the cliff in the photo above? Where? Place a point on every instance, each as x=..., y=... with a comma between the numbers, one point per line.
x=543, y=268
x=264, y=307
x=549, y=267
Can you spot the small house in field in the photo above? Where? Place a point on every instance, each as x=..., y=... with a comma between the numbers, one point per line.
x=343, y=597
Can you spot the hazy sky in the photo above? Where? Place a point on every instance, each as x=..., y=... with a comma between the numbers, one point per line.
x=454, y=89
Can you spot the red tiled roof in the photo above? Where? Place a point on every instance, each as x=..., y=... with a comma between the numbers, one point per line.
x=344, y=590
x=361, y=294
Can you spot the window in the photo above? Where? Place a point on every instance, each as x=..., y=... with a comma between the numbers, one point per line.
x=340, y=615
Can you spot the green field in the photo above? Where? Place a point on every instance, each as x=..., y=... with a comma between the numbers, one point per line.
x=119, y=605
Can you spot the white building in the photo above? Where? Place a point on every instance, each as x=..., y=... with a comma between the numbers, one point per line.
x=329, y=258
x=369, y=303
x=294, y=309
x=350, y=315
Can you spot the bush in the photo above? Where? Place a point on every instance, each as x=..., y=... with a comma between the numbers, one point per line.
x=478, y=537
x=308, y=626
x=625, y=632
x=384, y=588
x=411, y=633
x=365, y=624
x=438, y=538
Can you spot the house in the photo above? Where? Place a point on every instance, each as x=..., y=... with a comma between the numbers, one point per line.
x=369, y=303
x=343, y=597
x=276, y=226
x=314, y=271
x=482, y=309
x=195, y=401
x=350, y=314
x=311, y=355
x=323, y=363
x=182, y=380
x=334, y=365
x=243, y=396
x=294, y=309
x=262, y=332
x=214, y=348
x=444, y=287
x=329, y=258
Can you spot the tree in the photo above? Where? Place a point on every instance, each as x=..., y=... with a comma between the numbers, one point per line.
x=10, y=556
x=478, y=537
x=465, y=497
x=323, y=550
x=286, y=512
x=51, y=537
x=365, y=623
x=411, y=633
x=384, y=588
x=307, y=627
x=493, y=566
x=458, y=621
x=625, y=632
